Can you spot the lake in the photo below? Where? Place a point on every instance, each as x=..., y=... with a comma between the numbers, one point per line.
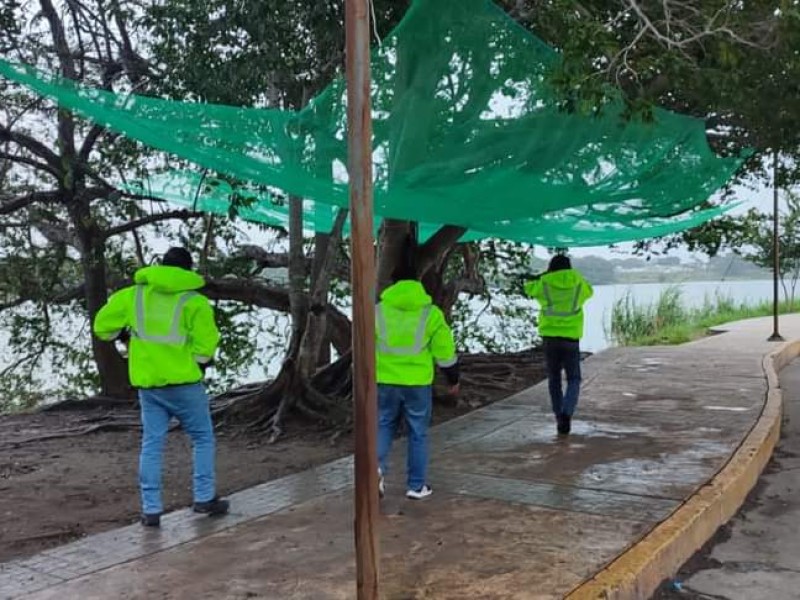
x=598, y=309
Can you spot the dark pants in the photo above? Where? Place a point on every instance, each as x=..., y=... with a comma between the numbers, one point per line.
x=563, y=355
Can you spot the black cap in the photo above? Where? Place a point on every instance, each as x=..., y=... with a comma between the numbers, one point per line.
x=559, y=262
x=177, y=257
x=406, y=267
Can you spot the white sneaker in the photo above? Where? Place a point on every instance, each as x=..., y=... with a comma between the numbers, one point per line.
x=419, y=494
x=381, y=484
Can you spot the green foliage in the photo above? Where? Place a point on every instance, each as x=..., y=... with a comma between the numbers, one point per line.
x=47, y=355
x=16, y=395
x=669, y=321
x=734, y=64
x=494, y=322
x=254, y=52
x=757, y=243
x=499, y=318
x=242, y=329
x=9, y=24
x=631, y=322
x=751, y=236
x=478, y=119
x=279, y=53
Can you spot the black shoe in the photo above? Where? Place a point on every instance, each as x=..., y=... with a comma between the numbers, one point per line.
x=564, y=424
x=212, y=508
x=153, y=520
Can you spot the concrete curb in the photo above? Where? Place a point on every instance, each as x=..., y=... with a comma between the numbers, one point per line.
x=635, y=574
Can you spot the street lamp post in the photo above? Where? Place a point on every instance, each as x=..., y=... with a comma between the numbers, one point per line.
x=776, y=249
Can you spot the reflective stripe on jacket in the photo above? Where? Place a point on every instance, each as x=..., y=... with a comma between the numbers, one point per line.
x=561, y=296
x=411, y=336
x=172, y=326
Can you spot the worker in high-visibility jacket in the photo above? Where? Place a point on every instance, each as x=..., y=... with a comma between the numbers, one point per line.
x=561, y=293
x=170, y=330
x=412, y=336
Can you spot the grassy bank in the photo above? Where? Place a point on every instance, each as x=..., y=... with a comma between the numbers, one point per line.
x=670, y=321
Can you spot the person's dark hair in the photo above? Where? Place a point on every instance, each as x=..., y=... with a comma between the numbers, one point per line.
x=560, y=262
x=177, y=257
x=404, y=271
x=406, y=268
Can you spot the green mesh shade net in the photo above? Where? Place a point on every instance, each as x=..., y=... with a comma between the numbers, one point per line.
x=200, y=192
x=467, y=131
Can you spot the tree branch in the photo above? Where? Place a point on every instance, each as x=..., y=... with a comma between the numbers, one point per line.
x=34, y=146
x=182, y=214
x=264, y=259
x=13, y=304
x=66, y=124
x=14, y=158
x=248, y=291
x=89, y=141
x=63, y=297
x=340, y=330
x=257, y=293
x=57, y=232
x=431, y=252
x=676, y=32
x=60, y=39
x=136, y=67
x=280, y=260
x=11, y=205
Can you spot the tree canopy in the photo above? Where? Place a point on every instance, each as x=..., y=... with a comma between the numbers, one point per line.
x=70, y=232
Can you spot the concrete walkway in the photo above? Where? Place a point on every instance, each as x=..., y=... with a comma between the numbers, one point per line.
x=517, y=513
x=757, y=556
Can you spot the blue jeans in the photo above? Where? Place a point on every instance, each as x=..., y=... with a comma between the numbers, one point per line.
x=414, y=403
x=562, y=354
x=189, y=404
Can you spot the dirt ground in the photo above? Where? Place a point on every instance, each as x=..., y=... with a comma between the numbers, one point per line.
x=56, y=489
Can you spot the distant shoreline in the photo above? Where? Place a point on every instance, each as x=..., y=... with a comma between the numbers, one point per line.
x=683, y=281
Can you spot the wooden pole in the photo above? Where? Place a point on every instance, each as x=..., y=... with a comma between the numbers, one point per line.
x=776, y=249
x=359, y=142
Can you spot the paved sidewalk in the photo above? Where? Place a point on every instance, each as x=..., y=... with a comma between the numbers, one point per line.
x=517, y=513
x=757, y=556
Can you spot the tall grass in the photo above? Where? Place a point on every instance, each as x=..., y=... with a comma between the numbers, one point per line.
x=670, y=321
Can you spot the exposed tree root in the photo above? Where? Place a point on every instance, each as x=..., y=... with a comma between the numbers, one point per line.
x=93, y=402
x=112, y=425
x=327, y=399
x=264, y=408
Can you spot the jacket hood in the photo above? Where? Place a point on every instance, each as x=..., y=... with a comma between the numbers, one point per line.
x=406, y=295
x=169, y=279
x=566, y=278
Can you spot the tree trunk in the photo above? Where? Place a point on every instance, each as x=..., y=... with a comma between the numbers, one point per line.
x=298, y=301
x=321, y=242
x=292, y=389
x=392, y=245
x=430, y=259
x=111, y=367
x=445, y=291
x=436, y=286
x=284, y=389
x=316, y=326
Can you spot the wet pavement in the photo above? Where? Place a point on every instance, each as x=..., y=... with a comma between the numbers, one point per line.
x=757, y=555
x=516, y=513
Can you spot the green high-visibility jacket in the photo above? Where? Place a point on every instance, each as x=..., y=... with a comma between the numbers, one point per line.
x=561, y=295
x=411, y=336
x=171, y=325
